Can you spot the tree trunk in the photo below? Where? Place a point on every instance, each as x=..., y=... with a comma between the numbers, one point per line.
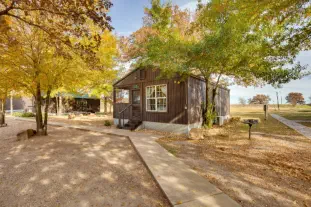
x=3, y=102
x=46, y=112
x=214, y=93
x=2, y=105
x=105, y=105
x=40, y=130
x=205, y=108
x=60, y=106
x=11, y=104
x=56, y=103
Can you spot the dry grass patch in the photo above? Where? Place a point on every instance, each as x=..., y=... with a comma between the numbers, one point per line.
x=271, y=169
x=307, y=124
x=98, y=121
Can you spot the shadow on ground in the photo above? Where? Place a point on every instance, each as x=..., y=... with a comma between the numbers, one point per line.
x=73, y=168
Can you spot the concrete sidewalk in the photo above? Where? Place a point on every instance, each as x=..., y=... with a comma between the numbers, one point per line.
x=182, y=185
x=305, y=131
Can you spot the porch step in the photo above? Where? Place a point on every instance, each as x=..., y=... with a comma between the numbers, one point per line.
x=131, y=125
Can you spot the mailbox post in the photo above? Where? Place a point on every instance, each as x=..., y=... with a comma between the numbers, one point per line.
x=266, y=108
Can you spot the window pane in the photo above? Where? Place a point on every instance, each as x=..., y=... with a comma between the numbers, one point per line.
x=122, y=96
x=136, y=97
x=161, y=104
x=151, y=105
x=161, y=91
x=150, y=92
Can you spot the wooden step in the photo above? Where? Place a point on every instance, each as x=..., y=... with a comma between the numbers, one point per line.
x=131, y=125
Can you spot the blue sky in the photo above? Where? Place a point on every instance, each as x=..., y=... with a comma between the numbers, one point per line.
x=127, y=17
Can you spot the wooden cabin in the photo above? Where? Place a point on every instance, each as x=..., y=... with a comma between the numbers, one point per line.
x=142, y=99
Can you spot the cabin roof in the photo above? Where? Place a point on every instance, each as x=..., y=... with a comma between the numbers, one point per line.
x=140, y=68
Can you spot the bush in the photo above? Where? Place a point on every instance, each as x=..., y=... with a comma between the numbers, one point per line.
x=24, y=114
x=107, y=123
x=235, y=119
x=100, y=113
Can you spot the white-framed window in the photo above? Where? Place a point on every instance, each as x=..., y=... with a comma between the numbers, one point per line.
x=122, y=96
x=156, y=98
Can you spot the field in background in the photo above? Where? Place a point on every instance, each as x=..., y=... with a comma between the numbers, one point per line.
x=270, y=126
x=298, y=113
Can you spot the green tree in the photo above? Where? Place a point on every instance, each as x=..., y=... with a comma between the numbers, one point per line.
x=221, y=44
x=260, y=99
x=294, y=16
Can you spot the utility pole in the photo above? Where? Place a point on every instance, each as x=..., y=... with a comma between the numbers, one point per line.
x=277, y=98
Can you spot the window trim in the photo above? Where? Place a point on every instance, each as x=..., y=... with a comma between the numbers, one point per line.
x=156, y=98
x=116, y=91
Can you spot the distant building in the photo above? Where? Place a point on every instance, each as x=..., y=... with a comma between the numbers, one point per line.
x=73, y=103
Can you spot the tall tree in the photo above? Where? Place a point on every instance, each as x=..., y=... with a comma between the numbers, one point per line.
x=294, y=16
x=260, y=99
x=242, y=101
x=40, y=66
x=295, y=98
x=221, y=43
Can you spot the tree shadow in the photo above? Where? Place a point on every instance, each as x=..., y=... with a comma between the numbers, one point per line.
x=75, y=168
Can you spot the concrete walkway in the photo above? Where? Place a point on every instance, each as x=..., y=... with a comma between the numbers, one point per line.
x=182, y=185
x=305, y=131
x=302, y=121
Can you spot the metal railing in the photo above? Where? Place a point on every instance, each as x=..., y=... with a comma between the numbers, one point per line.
x=122, y=113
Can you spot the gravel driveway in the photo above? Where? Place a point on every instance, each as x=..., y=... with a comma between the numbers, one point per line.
x=72, y=168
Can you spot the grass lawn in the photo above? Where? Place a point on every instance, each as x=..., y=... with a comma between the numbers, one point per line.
x=271, y=169
x=295, y=113
x=308, y=124
x=73, y=168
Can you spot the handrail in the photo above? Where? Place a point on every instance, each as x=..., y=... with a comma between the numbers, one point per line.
x=125, y=108
x=122, y=112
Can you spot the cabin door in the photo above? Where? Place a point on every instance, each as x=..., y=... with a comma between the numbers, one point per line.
x=136, y=112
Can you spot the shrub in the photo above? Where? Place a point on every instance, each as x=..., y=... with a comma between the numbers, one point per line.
x=24, y=114
x=100, y=113
x=235, y=119
x=107, y=123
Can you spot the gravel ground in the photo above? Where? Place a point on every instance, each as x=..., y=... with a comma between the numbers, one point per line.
x=98, y=121
x=72, y=168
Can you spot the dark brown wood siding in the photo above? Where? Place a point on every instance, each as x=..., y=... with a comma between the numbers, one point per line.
x=197, y=97
x=176, y=97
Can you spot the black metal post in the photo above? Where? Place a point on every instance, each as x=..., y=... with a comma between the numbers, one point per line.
x=250, y=131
